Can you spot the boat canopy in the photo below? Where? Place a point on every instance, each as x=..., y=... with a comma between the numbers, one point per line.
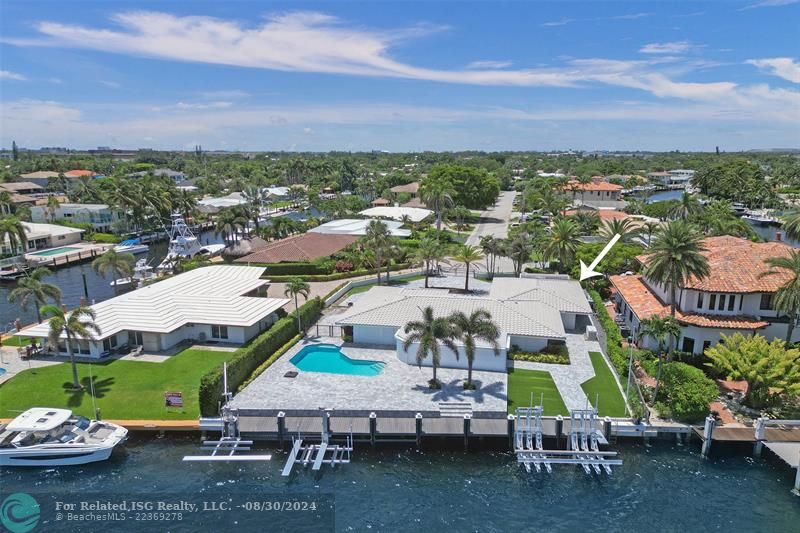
x=130, y=242
x=39, y=419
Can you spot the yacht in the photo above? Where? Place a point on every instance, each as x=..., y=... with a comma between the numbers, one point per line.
x=131, y=246
x=760, y=217
x=141, y=272
x=184, y=244
x=42, y=436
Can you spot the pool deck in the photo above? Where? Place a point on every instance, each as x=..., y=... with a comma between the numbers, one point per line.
x=400, y=388
x=73, y=253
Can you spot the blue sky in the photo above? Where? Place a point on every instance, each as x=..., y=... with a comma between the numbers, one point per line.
x=401, y=75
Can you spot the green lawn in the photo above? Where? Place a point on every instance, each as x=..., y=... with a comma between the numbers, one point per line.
x=16, y=341
x=123, y=389
x=604, y=387
x=522, y=382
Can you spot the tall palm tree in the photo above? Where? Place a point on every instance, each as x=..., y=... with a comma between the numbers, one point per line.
x=587, y=221
x=229, y=222
x=787, y=297
x=13, y=232
x=467, y=254
x=119, y=265
x=5, y=203
x=256, y=198
x=52, y=207
x=675, y=258
x=437, y=195
x=32, y=288
x=77, y=324
x=563, y=243
x=429, y=333
x=429, y=252
x=519, y=249
x=469, y=329
x=624, y=227
x=491, y=248
x=649, y=228
x=295, y=287
x=378, y=239
x=661, y=329
x=791, y=226
x=687, y=205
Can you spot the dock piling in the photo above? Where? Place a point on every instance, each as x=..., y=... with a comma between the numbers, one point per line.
x=511, y=429
x=559, y=429
x=607, y=428
x=281, y=428
x=708, y=431
x=467, y=421
x=761, y=428
x=373, y=428
x=418, y=428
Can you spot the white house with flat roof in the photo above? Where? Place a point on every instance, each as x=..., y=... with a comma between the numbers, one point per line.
x=227, y=304
x=414, y=214
x=102, y=217
x=42, y=236
x=354, y=226
x=531, y=314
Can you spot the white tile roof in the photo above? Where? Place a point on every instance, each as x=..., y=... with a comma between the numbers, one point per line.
x=351, y=226
x=560, y=293
x=392, y=306
x=210, y=295
x=35, y=230
x=415, y=214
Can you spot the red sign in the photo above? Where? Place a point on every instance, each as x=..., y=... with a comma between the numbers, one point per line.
x=173, y=399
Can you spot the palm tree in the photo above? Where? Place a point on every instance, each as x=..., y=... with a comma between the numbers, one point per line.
x=791, y=226
x=5, y=203
x=650, y=228
x=587, y=221
x=256, y=198
x=78, y=324
x=378, y=239
x=476, y=326
x=787, y=297
x=32, y=288
x=428, y=333
x=229, y=222
x=429, y=252
x=624, y=227
x=52, y=207
x=119, y=265
x=661, y=329
x=675, y=258
x=687, y=205
x=295, y=287
x=519, y=250
x=437, y=195
x=13, y=231
x=563, y=243
x=467, y=254
x=491, y=248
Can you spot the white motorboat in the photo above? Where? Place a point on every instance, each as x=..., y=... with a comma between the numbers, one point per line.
x=760, y=217
x=184, y=245
x=55, y=437
x=141, y=272
x=131, y=246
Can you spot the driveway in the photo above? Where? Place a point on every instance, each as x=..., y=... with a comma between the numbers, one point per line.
x=494, y=222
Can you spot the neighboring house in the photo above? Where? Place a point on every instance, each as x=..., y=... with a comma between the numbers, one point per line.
x=40, y=177
x=220, y=303
x=74, y=174
x=598, y=194
x=349, y=226
x=175, y=175
x=22, y=193
x=299, y=248
x=101, y=216
x=380, y=202
x=678, y=177
x=231, y=200
x=732, y=298
x=42, y=236
x=409, y=188
x=414, y=214
x=531, y=314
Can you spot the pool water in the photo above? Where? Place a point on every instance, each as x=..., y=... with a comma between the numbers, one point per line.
x=56, y=251
x=2, y=371
x=329, y=358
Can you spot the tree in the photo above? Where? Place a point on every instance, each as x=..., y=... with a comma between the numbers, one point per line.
x=13, y=232
x=661, y=329
x=428, y=333
x=687, y=205
x=6, y=203
x=519, y=249
x=491, y=248
x=675, y=258
x=229, y=222
x=438, y=195
x=769, y=369
x=32, y=288
x=430, y=251
x=649, y=228
x=787, y=297
x=52, y=207
x=467, y=254
x=791, y=226
x=587, y=221
x=563, y=243
x=119, y=265
x=14, y=151
x=378, y=239
x=295, y=287
x=78, y=324
x=469, y=329
x=623, y=227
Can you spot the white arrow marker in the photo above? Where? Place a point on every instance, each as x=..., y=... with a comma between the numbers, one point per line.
x=588, y=272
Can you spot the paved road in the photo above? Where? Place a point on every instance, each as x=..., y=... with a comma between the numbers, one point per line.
x=494, y=221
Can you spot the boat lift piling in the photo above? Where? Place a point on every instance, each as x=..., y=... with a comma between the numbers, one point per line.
x=318, y=454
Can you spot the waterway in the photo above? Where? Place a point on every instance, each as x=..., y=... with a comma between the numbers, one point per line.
x=663, y=487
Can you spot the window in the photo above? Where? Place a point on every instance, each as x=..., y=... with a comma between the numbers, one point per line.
x=109, y=343
x=731, y=301
x=741, y=301
x=688, y=345
x=219, y=332
x=706, y=344
x=766, y=301
x=699, y=300
x=721, y=302
x=712, y=302
x=135, y=338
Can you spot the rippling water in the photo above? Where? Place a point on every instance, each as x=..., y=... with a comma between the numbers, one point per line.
x=659, y=488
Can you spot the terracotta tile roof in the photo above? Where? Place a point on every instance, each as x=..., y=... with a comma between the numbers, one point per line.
x=414, y=202
x=646, y=304
x=78, y=173
x=601, y=186
x=604, y=214
x=381, y=201
x=412, y=188
x=305, y=247
x=736, y=264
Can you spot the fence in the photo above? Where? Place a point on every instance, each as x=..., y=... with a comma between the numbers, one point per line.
x=344, y=289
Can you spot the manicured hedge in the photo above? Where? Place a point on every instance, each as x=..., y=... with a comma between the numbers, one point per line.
x=249, y=358
x=556, y=355
x=613, y=335
x=266, y=364
x=296, y=269
x=685, y=392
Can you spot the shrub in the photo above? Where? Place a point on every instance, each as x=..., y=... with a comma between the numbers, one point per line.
x=105, y=238
x=250, y=358
x=613, y=335
x=338, y=275
x=266, y=364
x=296, y=269
x=344, y=266
x=687, y=391
x=554, y=354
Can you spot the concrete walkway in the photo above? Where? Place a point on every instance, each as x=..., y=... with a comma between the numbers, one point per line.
x=568, y=378
x=13, y=364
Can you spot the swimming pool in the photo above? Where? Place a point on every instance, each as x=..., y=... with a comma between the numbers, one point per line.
x=328, y=358
x=2, y=371
x=56, y=251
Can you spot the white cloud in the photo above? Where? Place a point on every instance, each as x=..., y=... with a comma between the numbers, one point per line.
x=565, y=21
x=675, y=47
x=8, y=75
x=553, y=23
x=770, y=3
x=488, y=64
x=204, y=105
x=110, y=84
x=783, y=67
x=223, y=94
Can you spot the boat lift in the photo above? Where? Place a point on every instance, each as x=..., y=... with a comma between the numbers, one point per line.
x=583, y=444
x=318, y=454
x=230, y=442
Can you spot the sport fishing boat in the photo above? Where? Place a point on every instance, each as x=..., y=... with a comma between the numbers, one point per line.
x=184, y=245
x=141, y=273
x=131, y=246
x=54, y=437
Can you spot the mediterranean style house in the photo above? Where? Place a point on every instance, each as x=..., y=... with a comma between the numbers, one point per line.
x=733, y=298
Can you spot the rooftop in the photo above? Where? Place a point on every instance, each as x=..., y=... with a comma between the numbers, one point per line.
x=78, y=173
x=40, y=174
x=593, y=186
x=414, y=214
x=304, y=247
x=16, y=186
x=35, y=230
x=210, y=295
x=411, y=188
x=350, y=226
